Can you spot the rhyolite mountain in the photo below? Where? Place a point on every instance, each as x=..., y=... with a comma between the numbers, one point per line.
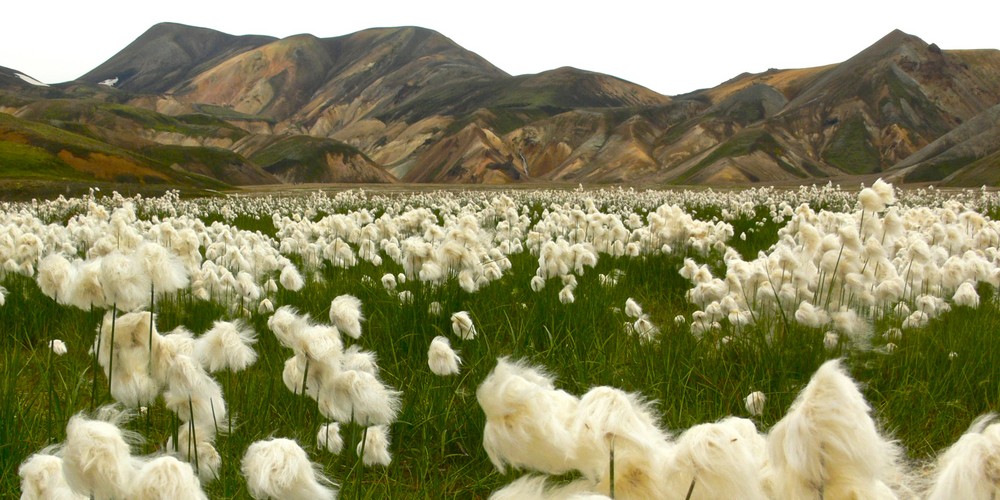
x=193, y=106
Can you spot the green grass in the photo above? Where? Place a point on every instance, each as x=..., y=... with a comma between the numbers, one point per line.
x=301, y=148
x=851, y=148
x=30, y=162
x=936, y=171
x=224, y=113
x=922, y=396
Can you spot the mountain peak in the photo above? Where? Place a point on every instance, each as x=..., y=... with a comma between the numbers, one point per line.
x=888, y=45
x=169, y=53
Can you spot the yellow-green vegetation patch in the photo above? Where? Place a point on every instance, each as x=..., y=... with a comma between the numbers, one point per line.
x=851, y=148
x=27, y=161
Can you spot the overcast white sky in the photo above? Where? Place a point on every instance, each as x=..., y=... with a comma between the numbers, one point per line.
x=671, y=47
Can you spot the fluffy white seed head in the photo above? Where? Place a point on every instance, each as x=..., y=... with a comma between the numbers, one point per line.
x=607, y=418
x=358, y=396
x=724, y=460
x=461, y=324
x=968, y=469
x=645, y=329
x=374, y=446
x=290, y=278
x=566, y=295
x=754, y=403
x=533, y=487
x=632, y=308
x=830, y=340
x=434, y=308
x=132, y=383
x=328, y=438
x=226, y=346
x=527, y=420
x=97, y=458
x=58, y=347
x=441, y=358
x=346, y=315
x=166, y=271
x=125, y=281
x=42, y=479
x=166, y=478
x=360, y=360
x=829, y=442
x=966, y=295
x=279, y=468
x=193, y=394
x=55, y=275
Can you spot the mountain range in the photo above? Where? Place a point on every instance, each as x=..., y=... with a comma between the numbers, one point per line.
x=193, y=107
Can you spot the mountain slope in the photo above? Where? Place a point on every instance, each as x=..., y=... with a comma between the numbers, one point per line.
x=966, y=155
x=861, y=116
x=408, y=104
x=168, y=54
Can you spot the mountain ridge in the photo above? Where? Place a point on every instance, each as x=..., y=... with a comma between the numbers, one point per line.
x=409, y=104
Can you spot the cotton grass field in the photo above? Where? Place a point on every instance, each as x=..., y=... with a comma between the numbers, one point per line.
x=610, y=343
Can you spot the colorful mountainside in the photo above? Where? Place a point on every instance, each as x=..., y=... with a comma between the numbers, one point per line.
x=195, y=107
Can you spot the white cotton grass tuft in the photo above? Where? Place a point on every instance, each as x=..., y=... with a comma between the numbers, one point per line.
x=290, y=278
x=566, y=295
x=809, y=315
x=917, y=319
x=389, y=281
x=527, y=420
x=126, y=360
x=361, y=397
x=55, y=275
x=632, y=308
x=166, y=347
x=461, y=324
x=828, y=444
x=166, y=478
x=193, y=395
x=286, y=323
x=534, y=487
x=374, y=446
x=966, y=296
x=831, y=340
x=166, y=271
x=608, y=418
x=97, y=456
x=968, y=469
x=265, y=306
x=754, y=403
x=346, y=315
x=355, y=358
x=328, y=438
x=86, y=291
x=42, y=478
x=126, y=284
x=226, y=346
x=194, y=444
x=645, y=329
x=870, y=200
x=58, y=347
x=279, y=468
x=441, y=358
x=3, y=296
x=434, y=308
x=724, y=459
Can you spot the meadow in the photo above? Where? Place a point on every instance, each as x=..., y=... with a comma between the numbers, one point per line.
x=692, y=305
